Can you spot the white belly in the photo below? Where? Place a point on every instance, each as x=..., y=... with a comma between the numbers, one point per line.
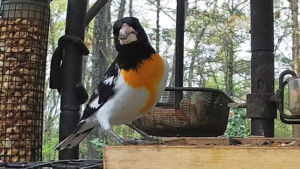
x=125, y=106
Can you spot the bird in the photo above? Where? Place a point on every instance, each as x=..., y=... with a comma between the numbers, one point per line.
x=129, y=89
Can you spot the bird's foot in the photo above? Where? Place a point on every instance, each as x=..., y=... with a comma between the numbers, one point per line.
x=143, y=141
x=152, y=139
x=146, y=140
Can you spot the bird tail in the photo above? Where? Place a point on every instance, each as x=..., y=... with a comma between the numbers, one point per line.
x=76, y=137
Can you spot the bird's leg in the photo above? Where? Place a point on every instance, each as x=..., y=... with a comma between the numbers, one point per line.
x=120, y=140
x=146, y=137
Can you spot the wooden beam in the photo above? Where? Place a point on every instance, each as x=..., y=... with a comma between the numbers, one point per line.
x=225, y=141
x=197, y=157
x=206, y=153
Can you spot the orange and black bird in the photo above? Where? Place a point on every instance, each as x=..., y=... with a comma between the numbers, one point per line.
x=132, y=85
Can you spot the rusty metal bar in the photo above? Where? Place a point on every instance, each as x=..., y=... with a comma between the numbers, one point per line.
x=71, y=73
x=92, y=12
x=260, y=108
x=179, y=49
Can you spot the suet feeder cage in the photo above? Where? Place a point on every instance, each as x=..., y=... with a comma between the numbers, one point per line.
x=202, y=112
x=23, y=49
x=293, y=84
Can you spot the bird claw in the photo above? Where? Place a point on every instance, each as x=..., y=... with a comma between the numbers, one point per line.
x=151, y=139
x=144, y=141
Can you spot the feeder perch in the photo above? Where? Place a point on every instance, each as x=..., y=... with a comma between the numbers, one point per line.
x=23, y=50
x=293, y=97
x=202, y=112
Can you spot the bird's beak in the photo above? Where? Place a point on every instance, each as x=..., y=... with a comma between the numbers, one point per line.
x=127, y=34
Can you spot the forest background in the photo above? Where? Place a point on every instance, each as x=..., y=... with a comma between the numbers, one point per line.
x=217, y=55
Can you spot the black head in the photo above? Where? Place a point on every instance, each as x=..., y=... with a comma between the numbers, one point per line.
x=127, y=32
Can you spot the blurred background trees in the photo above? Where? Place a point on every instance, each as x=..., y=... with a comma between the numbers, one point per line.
x=217, y=55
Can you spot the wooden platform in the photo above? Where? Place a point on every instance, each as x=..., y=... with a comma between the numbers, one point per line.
x=207, y=153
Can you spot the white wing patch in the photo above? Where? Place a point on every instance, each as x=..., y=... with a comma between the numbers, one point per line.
x=109, y=81
x=94, y=104
x=96, y=91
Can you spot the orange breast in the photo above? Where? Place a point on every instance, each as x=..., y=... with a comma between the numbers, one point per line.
x=148, y=76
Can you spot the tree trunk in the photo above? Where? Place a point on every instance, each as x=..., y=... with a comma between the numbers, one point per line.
x=121, y=9
x=196, y=53
x=186, y=8
x=295, y=50
x=228, y=62
x=228, y=48
x=51, y=100
x=84, y=64
x=229, y=84
x=157, y=25
x=130, y=8
x=192, y=64
x=99, y=64
x=85, y=70
x=120, y=15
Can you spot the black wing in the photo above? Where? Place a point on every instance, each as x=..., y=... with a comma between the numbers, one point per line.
x=103, y=91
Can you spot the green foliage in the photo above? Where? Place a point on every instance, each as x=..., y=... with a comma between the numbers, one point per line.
x=238, y=125
x=168, y=35
x=126, y=132
x=123, y=131
x=51, y=108
x=98, y=145
x=281, y=129
x=50, y=140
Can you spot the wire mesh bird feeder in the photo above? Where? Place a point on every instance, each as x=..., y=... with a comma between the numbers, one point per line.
x=202, y=112
x=23, y=49
x=186, y=111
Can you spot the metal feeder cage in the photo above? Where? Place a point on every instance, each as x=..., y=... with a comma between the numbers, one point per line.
x=293, y=84
x=200, y=112
x=23, y=49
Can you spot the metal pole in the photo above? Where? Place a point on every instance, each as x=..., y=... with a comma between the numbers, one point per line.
x=260, y=108
x=92, y=12
x=71, y=73
x=180, y=15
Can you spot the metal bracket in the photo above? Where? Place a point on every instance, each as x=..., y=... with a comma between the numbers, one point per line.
x=260, y=109
x=237, y=105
